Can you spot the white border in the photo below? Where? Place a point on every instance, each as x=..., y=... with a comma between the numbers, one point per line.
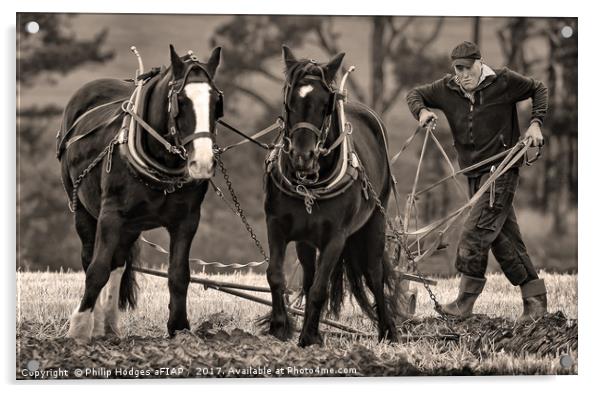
x=589, y=148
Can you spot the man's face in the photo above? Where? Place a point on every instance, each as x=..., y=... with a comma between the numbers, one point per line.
x=469, y=75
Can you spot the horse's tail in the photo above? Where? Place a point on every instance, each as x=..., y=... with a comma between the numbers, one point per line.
x=397, y=297
x=128, y=290
x=336, y=289
x=355, y=284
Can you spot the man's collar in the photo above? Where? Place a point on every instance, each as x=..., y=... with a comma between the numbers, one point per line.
x=486, y=72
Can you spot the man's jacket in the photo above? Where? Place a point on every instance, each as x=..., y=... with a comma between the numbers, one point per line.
x=487, y=124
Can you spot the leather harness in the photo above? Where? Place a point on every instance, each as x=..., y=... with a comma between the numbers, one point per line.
x=341, y=178
x=130, y=136
x=323, y=189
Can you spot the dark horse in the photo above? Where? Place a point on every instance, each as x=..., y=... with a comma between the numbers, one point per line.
x=336, y=233
x=116, y=201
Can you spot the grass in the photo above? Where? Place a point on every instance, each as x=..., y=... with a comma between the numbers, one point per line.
x=223, y=326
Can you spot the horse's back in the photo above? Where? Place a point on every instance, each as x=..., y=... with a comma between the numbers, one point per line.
x=92, y=94
x=77, y=157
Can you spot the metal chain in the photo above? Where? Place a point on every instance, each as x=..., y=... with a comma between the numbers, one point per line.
x=399, y=239
x=107, y=150
x=237, y=206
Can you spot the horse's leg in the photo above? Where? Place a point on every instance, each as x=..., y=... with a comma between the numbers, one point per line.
x=318, y=293
x=366, y=250
x=108, y=233
x=280, y=324
x=181, y=235
x=108, y=314
x=85, y=226
x=307, y=258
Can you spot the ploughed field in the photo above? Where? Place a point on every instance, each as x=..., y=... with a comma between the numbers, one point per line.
x=225, y=340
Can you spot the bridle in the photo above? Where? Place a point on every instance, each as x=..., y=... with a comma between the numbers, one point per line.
x=323, y=130
x=176, y=86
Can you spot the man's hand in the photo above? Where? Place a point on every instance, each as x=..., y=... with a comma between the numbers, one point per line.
x=426, y=116
x=534, y=132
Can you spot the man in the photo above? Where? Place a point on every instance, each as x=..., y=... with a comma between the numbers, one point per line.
x=480, y=106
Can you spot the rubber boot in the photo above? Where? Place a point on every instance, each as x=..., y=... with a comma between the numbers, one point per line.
x=470, y=289
x=535, y=300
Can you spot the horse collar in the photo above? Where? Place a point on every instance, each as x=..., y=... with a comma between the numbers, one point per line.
x=323, y=189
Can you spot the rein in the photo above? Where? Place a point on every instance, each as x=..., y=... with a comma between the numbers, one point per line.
x=277, y=125
x=400, y=237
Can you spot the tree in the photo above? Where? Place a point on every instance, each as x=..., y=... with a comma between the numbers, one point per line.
x=255, y=44
x=476, y=30
x=55, y=48
x=554, y=188
x=42, y=215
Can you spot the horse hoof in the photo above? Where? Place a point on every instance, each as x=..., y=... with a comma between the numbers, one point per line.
x=113, y=330
x=99, y=328
x=281, y=328
x=388, y=336
x=173, y=328
x=281, y=332
x=309, y=340
x=81, y=326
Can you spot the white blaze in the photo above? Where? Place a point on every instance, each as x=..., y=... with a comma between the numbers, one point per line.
x=305, y=90
x=198, y=93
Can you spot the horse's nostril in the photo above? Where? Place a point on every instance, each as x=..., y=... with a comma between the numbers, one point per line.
x=197, y=166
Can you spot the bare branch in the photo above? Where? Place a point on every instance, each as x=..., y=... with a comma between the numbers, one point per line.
x=396, y=32
x=388, y=102
x=268, y=75
x=426, y=43
x=330, y=47
x=252, y=68
x=503, y=42
x=269, y=107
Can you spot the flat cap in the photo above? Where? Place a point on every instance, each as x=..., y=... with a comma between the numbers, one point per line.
x=465, y=54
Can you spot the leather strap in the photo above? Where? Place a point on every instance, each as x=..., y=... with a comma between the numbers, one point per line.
x=91, y=131
x=64, y=143
x=168, y=146
x=308, y=126
x=197, y=135
x=336, y=143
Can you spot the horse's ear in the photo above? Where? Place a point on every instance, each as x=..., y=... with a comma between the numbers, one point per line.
x=289, y=58
x=331, y=69
x=177, y=65
x=213, y=61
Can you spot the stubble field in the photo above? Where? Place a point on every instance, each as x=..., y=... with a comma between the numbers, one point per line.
x=225, y=341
